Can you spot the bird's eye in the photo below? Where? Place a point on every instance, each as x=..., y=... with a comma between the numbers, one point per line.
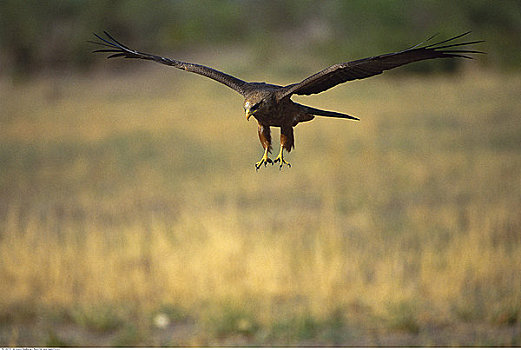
x=255, y=106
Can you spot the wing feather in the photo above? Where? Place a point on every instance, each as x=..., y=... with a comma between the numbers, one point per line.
x=119, y=50
x=367, y=67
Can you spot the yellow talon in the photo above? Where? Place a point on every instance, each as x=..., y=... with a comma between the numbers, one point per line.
x=264, y=160
x=280, y=158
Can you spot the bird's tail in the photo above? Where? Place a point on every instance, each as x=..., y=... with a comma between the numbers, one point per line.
x=322, y=113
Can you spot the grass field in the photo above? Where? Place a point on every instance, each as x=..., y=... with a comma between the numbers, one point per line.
x=131, y=214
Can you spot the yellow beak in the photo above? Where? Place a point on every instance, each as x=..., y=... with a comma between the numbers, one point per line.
x=248, y=114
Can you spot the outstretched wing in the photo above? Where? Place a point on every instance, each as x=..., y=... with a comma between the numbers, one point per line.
x=367, y=67
x=119, y=50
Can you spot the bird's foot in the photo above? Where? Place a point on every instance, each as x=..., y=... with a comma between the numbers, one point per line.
x=282, y=161
x=264, y=160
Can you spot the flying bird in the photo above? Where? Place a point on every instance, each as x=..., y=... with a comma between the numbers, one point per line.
x=271, y=105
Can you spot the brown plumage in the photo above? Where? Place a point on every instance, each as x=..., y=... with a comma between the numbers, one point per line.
x=271, y=105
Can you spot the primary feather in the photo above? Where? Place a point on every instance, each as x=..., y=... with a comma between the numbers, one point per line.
x=367, y=67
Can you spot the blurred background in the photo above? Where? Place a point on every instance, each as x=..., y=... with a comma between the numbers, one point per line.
x=51, y=36
x=131, y=213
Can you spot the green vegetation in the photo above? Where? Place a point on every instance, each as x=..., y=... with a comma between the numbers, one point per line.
x=51, y=36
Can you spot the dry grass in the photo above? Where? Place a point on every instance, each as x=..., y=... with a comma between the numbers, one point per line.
x=125, y=198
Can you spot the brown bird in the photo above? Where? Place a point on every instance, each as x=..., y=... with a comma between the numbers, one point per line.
x=271, y=105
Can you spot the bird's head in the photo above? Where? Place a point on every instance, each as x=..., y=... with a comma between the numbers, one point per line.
x=252, y=106
x=260, y=102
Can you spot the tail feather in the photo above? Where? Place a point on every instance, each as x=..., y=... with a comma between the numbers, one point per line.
x=322, y=113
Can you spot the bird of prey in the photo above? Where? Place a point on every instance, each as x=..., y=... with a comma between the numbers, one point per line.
x=271, y=105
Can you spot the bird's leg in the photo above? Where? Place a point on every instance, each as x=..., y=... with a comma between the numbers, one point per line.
x=286, y=142
x=280, y=158
x=265, y=139
x=264, y=160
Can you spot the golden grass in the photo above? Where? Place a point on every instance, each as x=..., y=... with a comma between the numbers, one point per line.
x=137, y=195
